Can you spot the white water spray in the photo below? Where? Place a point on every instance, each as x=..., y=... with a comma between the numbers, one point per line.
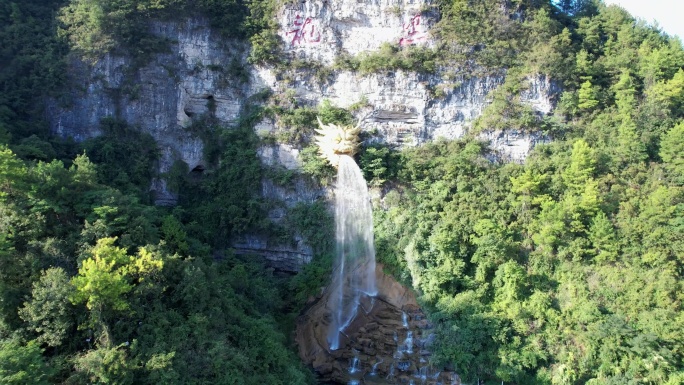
x=374, y=370
x=354, y=365
x=354, y=270
x=408, y=343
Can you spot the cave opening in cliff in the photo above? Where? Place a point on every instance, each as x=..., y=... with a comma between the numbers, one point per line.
x=197, y=172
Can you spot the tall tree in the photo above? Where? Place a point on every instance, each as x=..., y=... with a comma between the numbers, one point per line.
x=49, y=312
x=102, y=284
x=22, y=364
x=672, y=153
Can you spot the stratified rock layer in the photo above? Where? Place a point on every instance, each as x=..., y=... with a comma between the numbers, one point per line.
x=196, y=78
x=193, y=80
x=387, y=343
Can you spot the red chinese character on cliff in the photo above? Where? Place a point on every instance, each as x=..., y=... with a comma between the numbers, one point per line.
x=304, y=32
x=412, y=32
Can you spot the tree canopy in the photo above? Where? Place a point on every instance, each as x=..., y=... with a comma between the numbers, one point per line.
x=567, y=269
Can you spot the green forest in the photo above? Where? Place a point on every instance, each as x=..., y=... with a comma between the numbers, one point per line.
x=567, y=269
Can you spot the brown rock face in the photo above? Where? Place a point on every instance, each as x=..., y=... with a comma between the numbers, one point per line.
x=388, y=341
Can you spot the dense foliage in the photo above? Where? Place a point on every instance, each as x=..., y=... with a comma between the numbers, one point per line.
x=97, y=27
x=565, y=270
x=31, y=66
x=112, y=290
x=96, y=284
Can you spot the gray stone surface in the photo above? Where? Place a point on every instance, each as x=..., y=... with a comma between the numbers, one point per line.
x=321, y=30
x=193, y=79
x=160, y=98
x=289, y=258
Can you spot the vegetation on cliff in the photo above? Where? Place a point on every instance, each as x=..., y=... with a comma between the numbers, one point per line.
x=565, y=270
x=97, y=286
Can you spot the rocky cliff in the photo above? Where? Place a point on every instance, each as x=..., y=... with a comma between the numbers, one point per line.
x=160, y=98
x=321, y=30
x=202, y=74
x=388, y=341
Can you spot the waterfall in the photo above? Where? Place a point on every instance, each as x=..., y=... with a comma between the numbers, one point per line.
x=408, y=343
x=354, y=269
x=374, y=370
x=354, y=365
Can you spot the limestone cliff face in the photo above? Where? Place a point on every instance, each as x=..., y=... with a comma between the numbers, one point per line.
x=320, y=30
x=400, y=107
x=160, y=98
x=194, y=79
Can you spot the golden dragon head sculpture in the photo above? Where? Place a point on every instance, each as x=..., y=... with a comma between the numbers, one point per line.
x=334, y=140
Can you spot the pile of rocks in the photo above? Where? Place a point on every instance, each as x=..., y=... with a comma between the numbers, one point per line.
x=387, y=343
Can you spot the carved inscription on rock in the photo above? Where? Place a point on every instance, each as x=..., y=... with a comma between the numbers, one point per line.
x=303, y=31
x=413, y=31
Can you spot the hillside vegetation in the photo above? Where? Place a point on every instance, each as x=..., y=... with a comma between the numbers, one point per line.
x=567, y=269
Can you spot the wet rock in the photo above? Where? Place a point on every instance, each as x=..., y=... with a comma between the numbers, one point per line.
x=387, y=351
x=423, y=324
x=324, y=369
x=370, y=351
x=403, y=365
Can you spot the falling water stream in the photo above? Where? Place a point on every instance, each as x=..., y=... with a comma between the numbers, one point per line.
x=354, y=271
x=390, y=358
